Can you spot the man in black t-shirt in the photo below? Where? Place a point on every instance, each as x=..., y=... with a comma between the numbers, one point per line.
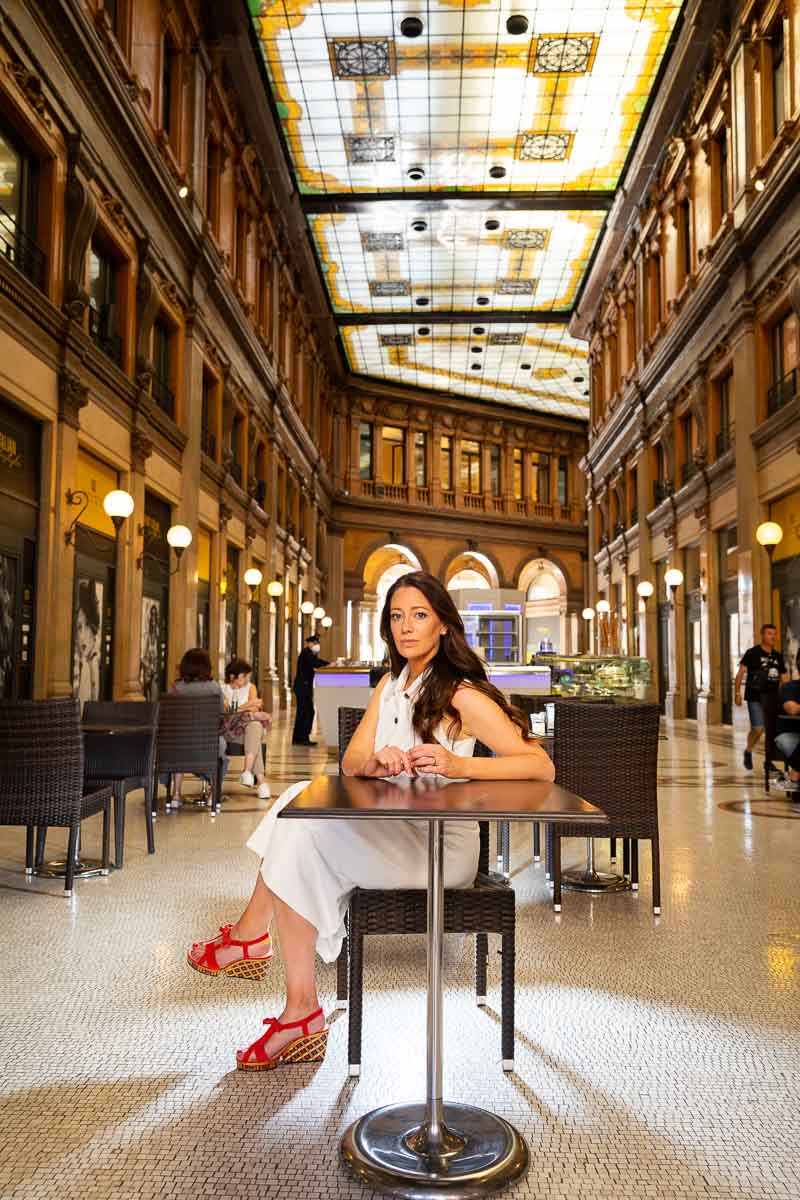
x=765, y=669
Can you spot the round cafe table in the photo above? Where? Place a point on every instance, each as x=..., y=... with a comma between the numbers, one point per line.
x=433, y=1148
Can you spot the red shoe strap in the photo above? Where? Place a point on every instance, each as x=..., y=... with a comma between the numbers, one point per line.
x=209, y=957
x=303, y=1023
x=273, y=1026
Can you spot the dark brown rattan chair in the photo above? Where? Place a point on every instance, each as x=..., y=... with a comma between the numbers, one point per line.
x=187, y=741
x=608, y=754
x=124, y=760
x=487, y=907
x=530, y=705
x=41, y=777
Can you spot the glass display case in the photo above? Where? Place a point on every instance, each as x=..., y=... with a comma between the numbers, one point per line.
x=585, y=675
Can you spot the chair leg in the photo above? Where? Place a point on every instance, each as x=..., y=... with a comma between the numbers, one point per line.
x=30, y=836
x=119, y=824
x=508, y=953
x=634, y=865
x=107, y=837
x=217, y=803
x=41, y=839
x=656, y=859
x=356, y=1001
x=612, y=846
x=341, y=976
x=72, y=850
x=148, y=816
x=548, y=842
x=556, y=869
x=481, y=965
x=537, y=842
x=626, y=857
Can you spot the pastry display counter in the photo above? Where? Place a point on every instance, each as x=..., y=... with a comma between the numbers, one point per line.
x=587, y=675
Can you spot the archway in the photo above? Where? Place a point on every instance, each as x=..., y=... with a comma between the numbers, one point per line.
x=383, y=567
x=472, y=566
x=545, y=628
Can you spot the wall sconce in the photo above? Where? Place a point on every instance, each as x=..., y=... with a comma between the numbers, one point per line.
x=673, y=579
x=74, y=498
x=118, y=506
x=178, y=537
x=307, y=608
x=319, y=615
x=603, y=607
x=326, y=622
x=274, y=588
x=252, y=578
x=645, y=589
x=588, y=614
x=769, y=534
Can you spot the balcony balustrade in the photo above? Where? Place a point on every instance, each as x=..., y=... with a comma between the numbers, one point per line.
x=21, y=250
x=782, y=392
x=163, y=396
x=208, y=443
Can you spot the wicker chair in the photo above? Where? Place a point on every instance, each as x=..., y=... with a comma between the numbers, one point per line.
x=187, y=740
x=487, y=907
x=530, y=705
x=41, y=777
x=609, y=755
x=124, y=760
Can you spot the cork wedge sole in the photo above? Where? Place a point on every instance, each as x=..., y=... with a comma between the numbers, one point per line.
x=254, y=969
x=310, y=1049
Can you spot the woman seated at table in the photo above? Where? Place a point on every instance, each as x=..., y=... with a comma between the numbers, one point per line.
x=245, y=722
x=422, y=720
x=195, y=678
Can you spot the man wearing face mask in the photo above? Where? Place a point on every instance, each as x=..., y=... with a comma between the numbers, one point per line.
x=303, y=687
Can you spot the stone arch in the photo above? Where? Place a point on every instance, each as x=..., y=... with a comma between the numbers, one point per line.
x=546, y=565
x=381, y=554
x=477, y=560
x=546, y=623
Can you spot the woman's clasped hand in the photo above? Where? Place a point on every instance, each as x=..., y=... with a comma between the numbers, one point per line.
x=429, y=759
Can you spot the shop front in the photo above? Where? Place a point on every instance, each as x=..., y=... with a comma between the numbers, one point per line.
x=20, y=456
x=231, y=602
x=94, y=593
x=155, y=597
x=786, y=579
x=204, y=589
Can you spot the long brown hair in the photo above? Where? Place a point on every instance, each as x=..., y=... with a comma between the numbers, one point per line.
x=453, y=664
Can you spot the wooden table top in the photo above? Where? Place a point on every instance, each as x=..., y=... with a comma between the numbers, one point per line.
x=495, y=799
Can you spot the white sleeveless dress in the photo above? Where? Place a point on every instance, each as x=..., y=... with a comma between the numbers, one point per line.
x=314, y=865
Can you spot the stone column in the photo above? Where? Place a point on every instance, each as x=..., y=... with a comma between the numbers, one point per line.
x=411, y=475
x=486, y=475
x=648, y=622
x=55, y=632
x=709, y=701
x=129, y=585
x=334, y=595
x=744, y=106
x=753, y=563
x=457, y=485
x=507, y=472
x=355, y=627
x=675, y=705
x=183, y=589
x=436, y=464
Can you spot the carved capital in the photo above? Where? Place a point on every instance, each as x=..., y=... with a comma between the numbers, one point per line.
x=225, y=514
x=794, y=293
x=147, y=305
x=141, y=449
x=73, y=395
x=31, y=87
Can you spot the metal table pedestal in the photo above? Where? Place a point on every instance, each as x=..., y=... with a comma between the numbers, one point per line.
x=587, y=879
x=428, y=1150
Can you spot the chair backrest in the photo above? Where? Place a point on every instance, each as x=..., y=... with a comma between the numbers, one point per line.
x=41, y=762
x=188, y=733
x=608, y=754
x=123, y=712
x=536, y=704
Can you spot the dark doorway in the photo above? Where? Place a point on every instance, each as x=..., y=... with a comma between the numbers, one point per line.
x=155, y=598
x=93, y=608
x=20, y=453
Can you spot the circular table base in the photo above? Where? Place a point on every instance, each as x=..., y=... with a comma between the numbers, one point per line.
x=84, y=869
x=580, y=880
x=484, y=1152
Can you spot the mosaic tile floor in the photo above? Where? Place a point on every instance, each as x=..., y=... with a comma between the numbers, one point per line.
x=655, y=1058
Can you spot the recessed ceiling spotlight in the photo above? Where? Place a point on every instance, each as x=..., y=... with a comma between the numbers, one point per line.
x=483, y=300
x=415, y=172
x=419, y=226
x=759, y=185
x=479, y=331
x=491, y=225
x=586, y=393
x=411, y=27
x=497, y=172
x=183, y=191
x=423, y=331
x=476, y=366
x=477, y=349
x=517, y=24
x=422, y=300
x=524, y=366
x=578, y=379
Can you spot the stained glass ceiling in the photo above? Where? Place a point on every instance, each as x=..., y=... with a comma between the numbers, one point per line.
x=455, y=160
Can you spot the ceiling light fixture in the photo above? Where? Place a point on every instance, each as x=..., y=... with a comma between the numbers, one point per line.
x=415, y=172
x=423, y=331
x=759, y=185
x=411, y=27
x=479, y=331
x=419, y=226
x=517, y=24
x=497, y=172
x=476, y=366
x=483, y=299
x=183, y=191
x=525, y=366
x=477, y=349
x=422, y=300
x=578, y=379
x=491, y=224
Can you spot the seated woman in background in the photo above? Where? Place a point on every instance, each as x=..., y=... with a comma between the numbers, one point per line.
x=244, y=721
x=195, y=678
x=422, y=719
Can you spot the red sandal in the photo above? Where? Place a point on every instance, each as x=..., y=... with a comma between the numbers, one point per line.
x=308, y=1048
x=241, y=968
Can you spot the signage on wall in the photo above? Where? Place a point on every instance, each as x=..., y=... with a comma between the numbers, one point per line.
x=19, y=454
x=96, y=479
x=10, y=454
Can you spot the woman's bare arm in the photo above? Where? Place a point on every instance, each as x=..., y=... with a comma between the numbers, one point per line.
x=360, y=752
x=483, y=719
